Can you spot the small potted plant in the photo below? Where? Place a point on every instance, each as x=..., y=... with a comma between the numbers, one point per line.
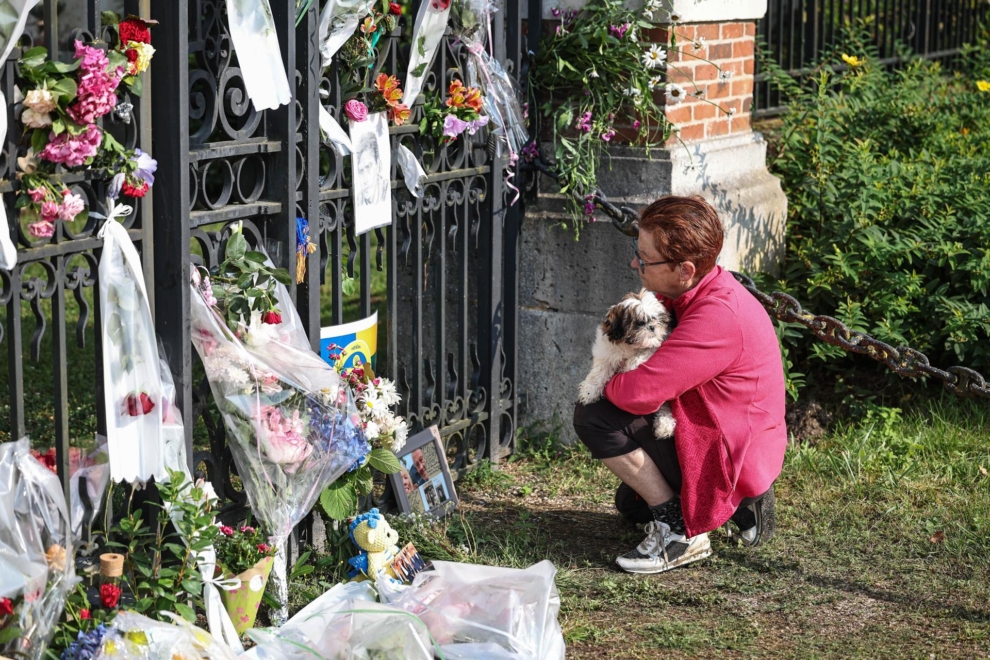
x=244, y=554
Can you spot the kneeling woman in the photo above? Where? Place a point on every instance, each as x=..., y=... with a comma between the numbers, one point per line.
x=720, y=370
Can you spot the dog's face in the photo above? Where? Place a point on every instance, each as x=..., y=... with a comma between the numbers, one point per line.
x=639, y=321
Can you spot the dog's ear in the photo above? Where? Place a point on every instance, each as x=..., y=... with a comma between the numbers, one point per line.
x=616, y=323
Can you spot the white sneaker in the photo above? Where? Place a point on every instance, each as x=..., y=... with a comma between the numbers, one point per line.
x=663, y=550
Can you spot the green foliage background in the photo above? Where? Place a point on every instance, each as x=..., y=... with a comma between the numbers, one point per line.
x=887, y=176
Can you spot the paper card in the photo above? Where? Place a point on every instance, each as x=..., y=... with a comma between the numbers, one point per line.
x=371, y=183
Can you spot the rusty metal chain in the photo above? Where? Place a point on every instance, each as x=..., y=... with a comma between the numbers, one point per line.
x=904, y=361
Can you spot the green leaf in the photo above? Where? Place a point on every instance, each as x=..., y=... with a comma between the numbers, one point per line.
x=136, y=85
x=257, y=257
x=186, y=612
x=282, y=276
x=62, y=67
x=39, y=138
x=65, y=87
x=35, y=57
x=109, y=18
x=421, y=46
x=339, y=500
x=191, y=587
x=418, y=71
x=9, y=634
x=384, y=461
x=236, y=246
x=58, y=126
x=363, y=481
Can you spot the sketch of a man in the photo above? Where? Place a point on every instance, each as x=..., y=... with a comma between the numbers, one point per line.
x=372, y=181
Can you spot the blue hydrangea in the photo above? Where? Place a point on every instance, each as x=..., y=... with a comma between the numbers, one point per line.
x=86, y=645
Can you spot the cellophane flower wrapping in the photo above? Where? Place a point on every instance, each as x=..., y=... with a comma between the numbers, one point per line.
x=132, y=636
x=345, y=622
x=487, y=611
x=292, y=426
x=471, y=23
x=36, y=552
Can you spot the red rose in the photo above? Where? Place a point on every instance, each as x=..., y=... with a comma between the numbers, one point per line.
x=109, y=595
x=134, y=191
x=262, y=548
x=131, y=404
x=134, y=29
x=271, y=318
x=6, y=607
x=131, y=54
x=84, y=614
x=394, y=8
x=147, y=405
x=47, y=459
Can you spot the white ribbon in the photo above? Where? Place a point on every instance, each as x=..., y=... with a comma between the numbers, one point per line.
x=412, y=172
x=13, y=16
x=427, y=35
x=221, y=627
x=334, y=133
x=252, y=31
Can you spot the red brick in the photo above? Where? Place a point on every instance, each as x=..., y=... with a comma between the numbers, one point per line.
x=717, y=127
x=742, y=86
x=743, y=48
x=704, y=111
x=685, y=33
x=720, y=52
x=707, y=30
x=735, y=66
x=750, y=29
x=693, y=132
x=655, y=35
x=705, y=71
x=716, y=91
x=681, y=74
x=730, y=104
x=731, y=30
x=741, y=124
x=747, y=105
x=749, y=66
x=679, y=114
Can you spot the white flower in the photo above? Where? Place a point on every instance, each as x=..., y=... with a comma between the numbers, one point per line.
x=40, y=100
x=633, y=92
x=593, y=74
x=259, y=333
x=652, y=8
x=401, y=433
x=654, y=57
x=371, y=430
x=675, y=93
x=699, y=43
x=388, y=393
x=725, y=75
x=675, y=19
x=33, y=119
x=731, y=111
x=655, y=81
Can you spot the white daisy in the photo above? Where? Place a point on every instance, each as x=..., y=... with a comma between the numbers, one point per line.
x=652, y=8
x=634, y=92
x=656, y=81
x=401, y=433
x=371, y=430
x=654, y=57
x=675, y=93
x=725, y=75
x=699, y=43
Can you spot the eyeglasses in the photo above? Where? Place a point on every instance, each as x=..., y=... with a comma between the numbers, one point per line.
x=644, y=264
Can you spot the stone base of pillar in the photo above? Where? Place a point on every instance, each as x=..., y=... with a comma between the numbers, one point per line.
x=566, y=285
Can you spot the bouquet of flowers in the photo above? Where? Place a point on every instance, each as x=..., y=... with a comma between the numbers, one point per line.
x=244, y=556
x=36, y=555
x=292, y=424
x=384, y=430
x=385, y=96
x=135, y=637
x=460, y=112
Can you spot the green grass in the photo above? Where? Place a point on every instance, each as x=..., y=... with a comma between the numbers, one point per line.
x=881, y=548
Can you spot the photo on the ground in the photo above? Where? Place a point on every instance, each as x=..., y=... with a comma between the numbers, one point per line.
x=423, y=484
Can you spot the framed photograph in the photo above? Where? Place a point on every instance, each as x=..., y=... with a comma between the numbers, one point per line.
x=423, y=484
x=371, y=168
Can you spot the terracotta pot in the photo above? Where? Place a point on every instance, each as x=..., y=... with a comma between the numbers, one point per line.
x=242, y=603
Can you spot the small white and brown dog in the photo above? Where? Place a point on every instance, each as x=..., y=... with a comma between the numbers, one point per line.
x=631, y=333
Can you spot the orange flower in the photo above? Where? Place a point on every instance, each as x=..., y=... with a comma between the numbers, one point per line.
x=473, y=99
x=389, y=88
x=454, y=87
x=369, y=26
x=399, y=114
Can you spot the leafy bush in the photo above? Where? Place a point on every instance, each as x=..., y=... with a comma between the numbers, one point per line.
x=887, y=174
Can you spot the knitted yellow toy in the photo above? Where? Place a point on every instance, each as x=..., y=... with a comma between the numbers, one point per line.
x=376, y=539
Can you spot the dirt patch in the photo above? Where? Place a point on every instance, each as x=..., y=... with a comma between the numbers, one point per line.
x=807, y=421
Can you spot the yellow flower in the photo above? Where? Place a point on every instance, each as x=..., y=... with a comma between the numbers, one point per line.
x=983, y=85
x=852, y=60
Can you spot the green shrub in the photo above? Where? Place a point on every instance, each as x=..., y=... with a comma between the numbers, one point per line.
x=887, y=176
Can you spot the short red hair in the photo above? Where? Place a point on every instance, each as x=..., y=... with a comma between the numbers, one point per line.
x=684, y=229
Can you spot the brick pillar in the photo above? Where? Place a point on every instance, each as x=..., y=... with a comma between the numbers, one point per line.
x=726, y=81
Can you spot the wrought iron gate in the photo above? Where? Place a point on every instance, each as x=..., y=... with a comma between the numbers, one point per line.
x=449, y=258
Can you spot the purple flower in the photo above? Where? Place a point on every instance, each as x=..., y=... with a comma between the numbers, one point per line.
x=608, y=135
x=145, y=167
x=530, y=152
x=475, y=124
x=555, y=12
x=618, y=31
x=636, y=124
x=589, y=205
x=116, y=183
x=452, y=126
x=584, y=123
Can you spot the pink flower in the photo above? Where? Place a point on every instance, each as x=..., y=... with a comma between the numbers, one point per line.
x=96, y=86
x=355, y=110
x=49, y=211
x=636, y=124
x=207, y=290
x=41, y=229
x=38, y=195
x=72, y=150
x=608, y=135
x=618, y=31
x=452, y=126
x=226, y=530
x=285, y=444
x=247, y=529
x=584, y=123
x=92, y=58
x=72, y=205
x=263, y=548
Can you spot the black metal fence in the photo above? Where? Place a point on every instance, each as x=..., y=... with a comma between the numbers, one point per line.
x=449, y=259
x=797, y=31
